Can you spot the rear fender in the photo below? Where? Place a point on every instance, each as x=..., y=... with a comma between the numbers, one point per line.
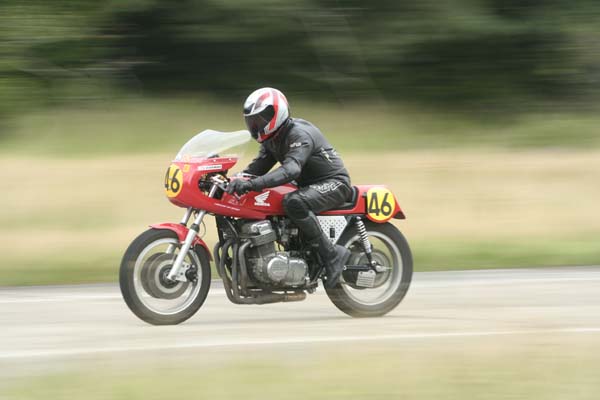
x=181, y=232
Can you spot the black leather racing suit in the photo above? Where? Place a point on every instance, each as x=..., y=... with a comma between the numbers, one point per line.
x=308, y=158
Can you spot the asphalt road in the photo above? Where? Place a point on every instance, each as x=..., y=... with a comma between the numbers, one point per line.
x=47, y=324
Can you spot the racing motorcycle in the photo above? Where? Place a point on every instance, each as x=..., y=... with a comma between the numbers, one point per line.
x=165, y=273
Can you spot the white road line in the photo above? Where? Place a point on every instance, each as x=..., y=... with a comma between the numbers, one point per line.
x=71, y=298
x=33, y=295
x=65, y=298
x=82, y=351
x=501, y=281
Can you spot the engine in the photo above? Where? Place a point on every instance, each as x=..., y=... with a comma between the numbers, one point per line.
x=265, y=264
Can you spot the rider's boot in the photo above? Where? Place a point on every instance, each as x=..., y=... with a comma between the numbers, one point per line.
x=333, y=257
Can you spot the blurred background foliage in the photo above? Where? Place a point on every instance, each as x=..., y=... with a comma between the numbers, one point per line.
x=495, y=55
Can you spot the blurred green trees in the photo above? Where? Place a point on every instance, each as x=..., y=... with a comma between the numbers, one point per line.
x=454, y=52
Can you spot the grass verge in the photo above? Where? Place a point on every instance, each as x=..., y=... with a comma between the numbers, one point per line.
x=70, y=220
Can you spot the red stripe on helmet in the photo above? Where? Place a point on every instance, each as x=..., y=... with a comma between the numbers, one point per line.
x=276, y=107
x=260, y=100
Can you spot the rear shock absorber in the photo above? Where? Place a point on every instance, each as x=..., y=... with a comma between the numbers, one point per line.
x=364, y=238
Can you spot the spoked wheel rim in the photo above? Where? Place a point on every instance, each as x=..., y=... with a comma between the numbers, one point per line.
x=151, y=288
x=385, y=251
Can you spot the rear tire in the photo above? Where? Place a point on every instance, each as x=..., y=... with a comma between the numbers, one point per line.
x=132, y=293
x=342, y=295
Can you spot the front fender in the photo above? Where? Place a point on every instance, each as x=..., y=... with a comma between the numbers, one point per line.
x=181, y=232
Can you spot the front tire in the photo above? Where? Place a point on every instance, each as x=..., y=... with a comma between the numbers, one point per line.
x=389, y=247
x=158, y=302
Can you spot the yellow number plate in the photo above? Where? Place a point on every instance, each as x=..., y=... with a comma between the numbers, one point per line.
x=173, y=180
x=380, y=204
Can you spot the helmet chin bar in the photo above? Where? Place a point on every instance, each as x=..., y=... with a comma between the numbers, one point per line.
x=275, y=133
x=257, y=122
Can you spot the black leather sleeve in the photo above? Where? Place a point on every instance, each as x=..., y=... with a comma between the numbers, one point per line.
x=300, y=147
x=263, y=162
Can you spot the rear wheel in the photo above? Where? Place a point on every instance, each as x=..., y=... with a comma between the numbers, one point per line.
x=144, y=284
x=390, y=249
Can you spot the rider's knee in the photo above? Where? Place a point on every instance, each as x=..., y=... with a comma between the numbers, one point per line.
x=294, y=206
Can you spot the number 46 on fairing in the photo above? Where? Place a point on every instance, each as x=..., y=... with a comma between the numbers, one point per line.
x=173, y=180
x=381, y=205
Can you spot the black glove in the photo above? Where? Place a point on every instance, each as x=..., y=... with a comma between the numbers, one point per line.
x=239, y=186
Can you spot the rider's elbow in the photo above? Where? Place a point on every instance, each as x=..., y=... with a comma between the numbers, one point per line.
x=292, y=169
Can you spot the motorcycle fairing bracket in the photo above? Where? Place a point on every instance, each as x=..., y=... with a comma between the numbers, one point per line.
x=181, y=232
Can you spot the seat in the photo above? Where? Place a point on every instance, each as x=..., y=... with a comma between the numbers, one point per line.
x=350, y=203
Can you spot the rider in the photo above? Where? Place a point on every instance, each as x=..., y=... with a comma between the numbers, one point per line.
x=306, y=157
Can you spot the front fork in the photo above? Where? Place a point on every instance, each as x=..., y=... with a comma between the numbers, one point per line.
x=184, y=222
x=191, y=235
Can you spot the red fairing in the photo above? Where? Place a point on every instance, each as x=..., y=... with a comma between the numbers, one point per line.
x=265, y=203
x=253, y=205
x=181, y=232
x=192, y=171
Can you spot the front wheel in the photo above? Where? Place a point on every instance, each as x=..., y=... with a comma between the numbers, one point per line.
x=144, y=284
x=390, y=249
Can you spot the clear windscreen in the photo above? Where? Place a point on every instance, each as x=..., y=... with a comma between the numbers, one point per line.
x=210, y=144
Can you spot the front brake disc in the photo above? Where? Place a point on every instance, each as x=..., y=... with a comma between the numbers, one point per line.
x=154, y=278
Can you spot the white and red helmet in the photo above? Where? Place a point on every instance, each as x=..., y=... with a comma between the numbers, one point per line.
x=265, y=110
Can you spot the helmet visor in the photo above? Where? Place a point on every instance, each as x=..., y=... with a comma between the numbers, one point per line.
x=257, y=122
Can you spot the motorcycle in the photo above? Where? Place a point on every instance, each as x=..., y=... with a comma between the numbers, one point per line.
x=261, y=257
